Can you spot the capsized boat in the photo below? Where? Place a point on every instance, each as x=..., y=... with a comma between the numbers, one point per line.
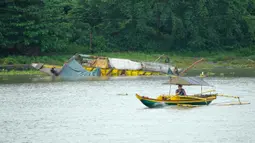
x=115, y=66
x=71, y=70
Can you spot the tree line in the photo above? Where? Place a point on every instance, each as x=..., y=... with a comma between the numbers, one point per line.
x=33, y=27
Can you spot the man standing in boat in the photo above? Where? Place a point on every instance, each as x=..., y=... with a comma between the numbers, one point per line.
x=180, y=90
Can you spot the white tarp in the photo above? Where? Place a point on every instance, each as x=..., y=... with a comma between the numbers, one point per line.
x=124, y=64
x=158, y=67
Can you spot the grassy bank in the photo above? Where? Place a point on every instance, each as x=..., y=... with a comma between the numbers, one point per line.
x=15, y=72
x=181, y=61
x=53, y=59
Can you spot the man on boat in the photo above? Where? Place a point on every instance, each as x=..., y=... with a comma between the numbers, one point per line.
x=54, y=71
x=180, y=90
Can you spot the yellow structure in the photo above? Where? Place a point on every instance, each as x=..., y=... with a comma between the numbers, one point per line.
x=113, y=72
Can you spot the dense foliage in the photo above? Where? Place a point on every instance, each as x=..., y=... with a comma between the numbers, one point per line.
x=33, y=27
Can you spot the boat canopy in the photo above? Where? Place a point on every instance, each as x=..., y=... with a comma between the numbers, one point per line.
x=178, y=80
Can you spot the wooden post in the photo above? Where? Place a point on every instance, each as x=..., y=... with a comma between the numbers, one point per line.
x=239, y=100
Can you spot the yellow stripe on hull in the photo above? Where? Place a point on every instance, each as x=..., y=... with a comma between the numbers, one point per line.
x=175, y=100
x=114, y=72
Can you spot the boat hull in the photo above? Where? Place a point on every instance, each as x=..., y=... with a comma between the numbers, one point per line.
x=104, y=71
x=155, y=103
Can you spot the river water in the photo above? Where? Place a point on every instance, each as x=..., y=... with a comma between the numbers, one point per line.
x=38, y=110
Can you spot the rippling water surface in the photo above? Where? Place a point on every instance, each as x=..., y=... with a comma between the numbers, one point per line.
x=99, y=111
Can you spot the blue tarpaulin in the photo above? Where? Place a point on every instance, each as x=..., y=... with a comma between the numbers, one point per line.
x=74, y=69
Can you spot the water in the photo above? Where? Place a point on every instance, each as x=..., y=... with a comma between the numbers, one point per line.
x=224, y=71
x=96, y=111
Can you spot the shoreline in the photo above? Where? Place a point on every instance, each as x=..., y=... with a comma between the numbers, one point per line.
x=20, y=65
x=208, y=72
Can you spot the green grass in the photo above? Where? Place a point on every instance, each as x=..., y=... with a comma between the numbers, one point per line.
x=180, y=60
x=15, y=72
x=55, y=59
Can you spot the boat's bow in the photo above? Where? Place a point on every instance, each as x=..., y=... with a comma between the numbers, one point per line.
x=138, y=96
x=150, y=102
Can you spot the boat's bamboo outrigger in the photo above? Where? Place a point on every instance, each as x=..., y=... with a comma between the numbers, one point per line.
x=237, y=97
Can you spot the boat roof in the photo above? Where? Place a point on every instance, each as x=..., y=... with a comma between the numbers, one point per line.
x=178, y=80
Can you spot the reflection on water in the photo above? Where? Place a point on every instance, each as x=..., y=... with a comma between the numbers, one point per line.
x=93, y=111
x=42, y=78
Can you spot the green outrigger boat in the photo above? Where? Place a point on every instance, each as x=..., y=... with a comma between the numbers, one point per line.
x=177, y=100
x=187, y=100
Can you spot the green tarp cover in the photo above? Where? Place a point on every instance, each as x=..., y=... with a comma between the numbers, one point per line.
x=74, y=69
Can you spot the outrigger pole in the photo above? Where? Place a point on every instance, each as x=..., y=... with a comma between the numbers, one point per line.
x=239, y=101
x=206, y=92
x=182, y=73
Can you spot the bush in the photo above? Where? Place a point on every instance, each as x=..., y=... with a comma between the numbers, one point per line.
x=9, y=61
x=252, y=57
x=249, y=51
